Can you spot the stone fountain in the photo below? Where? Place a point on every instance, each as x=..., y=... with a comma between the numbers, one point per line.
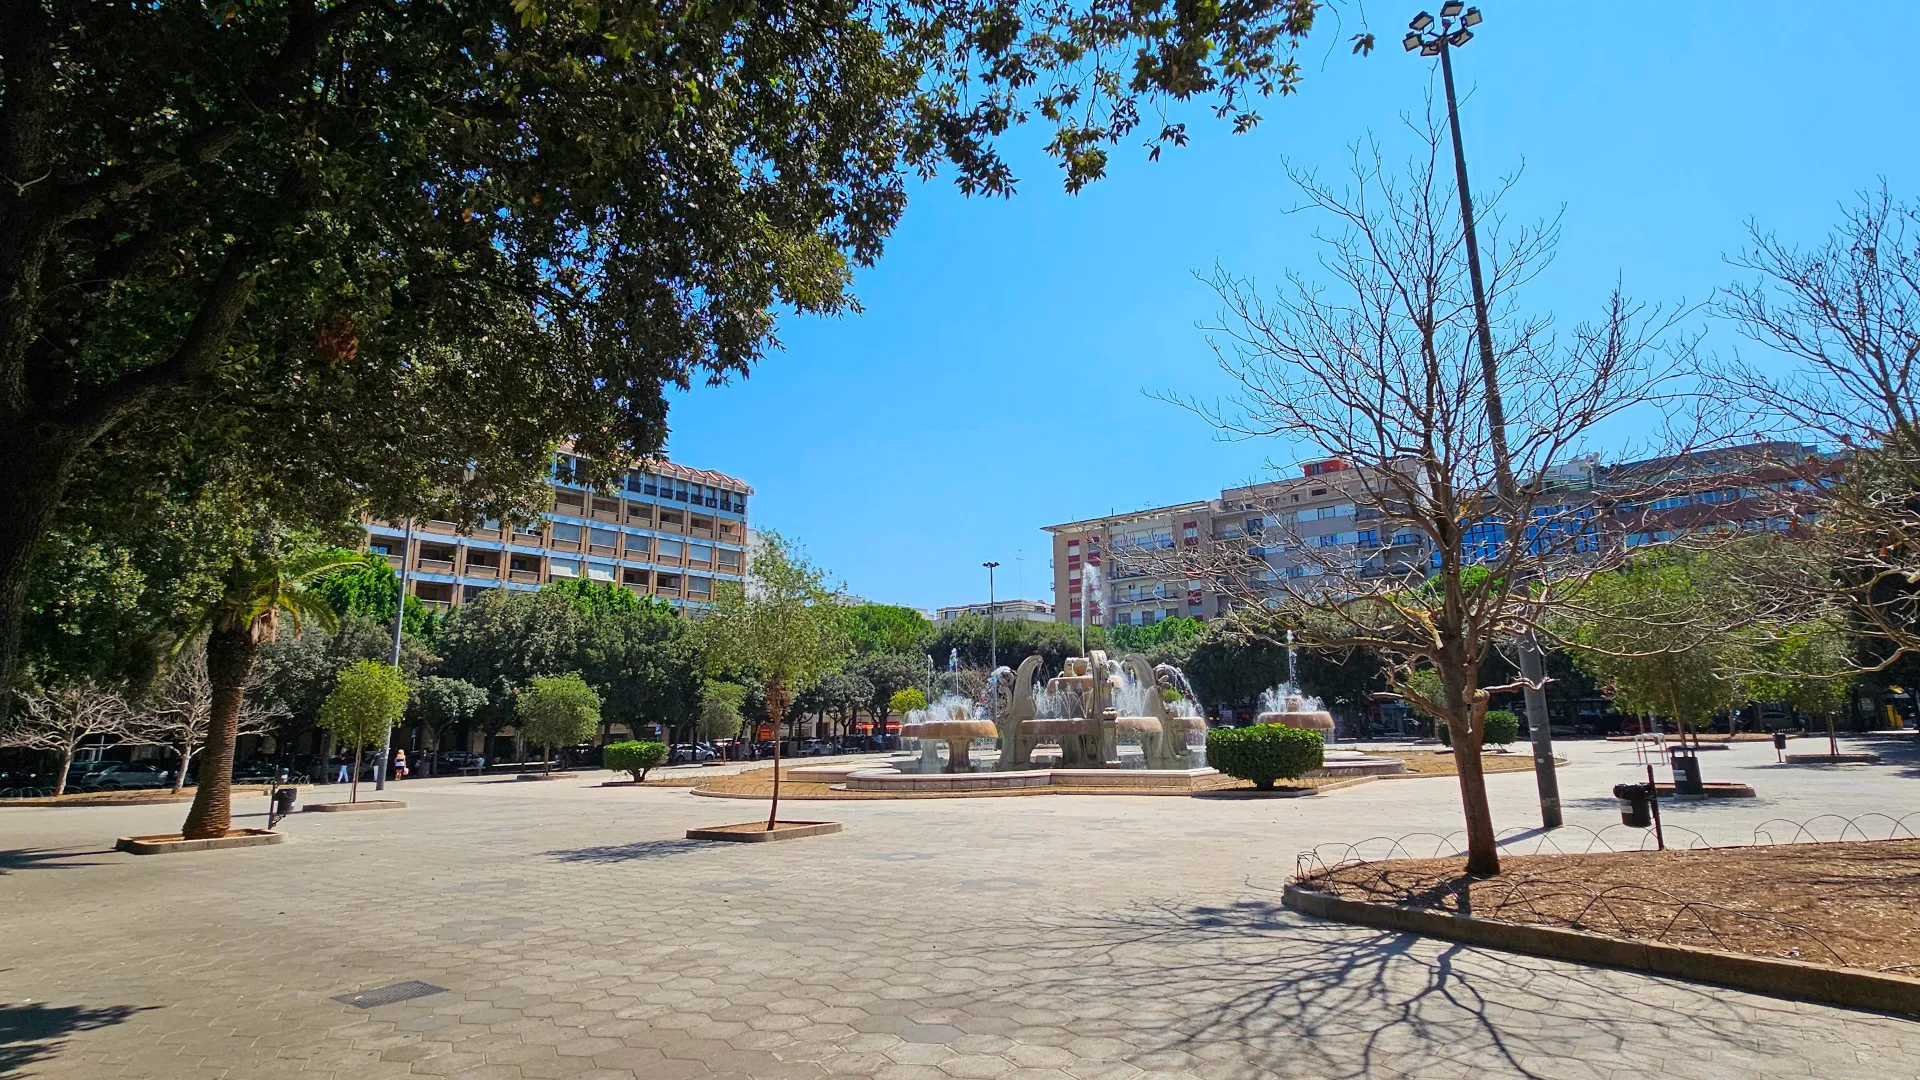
x=1285, y=704
x=949, y=720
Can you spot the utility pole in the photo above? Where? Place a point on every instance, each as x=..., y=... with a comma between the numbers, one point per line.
x=399, y=615
x=1456, y=29
x=993, y=637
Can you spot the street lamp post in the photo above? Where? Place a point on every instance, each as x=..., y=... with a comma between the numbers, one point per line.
x=993, y=638
x=1439, y=38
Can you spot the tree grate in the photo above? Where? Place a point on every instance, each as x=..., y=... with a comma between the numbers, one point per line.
x=387, y=995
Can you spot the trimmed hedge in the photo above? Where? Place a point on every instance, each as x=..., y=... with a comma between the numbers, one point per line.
x=1503, y=727
x=634, y=757
x=1265, y=752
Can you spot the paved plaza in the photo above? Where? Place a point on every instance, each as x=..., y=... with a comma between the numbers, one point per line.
x=1041, y=938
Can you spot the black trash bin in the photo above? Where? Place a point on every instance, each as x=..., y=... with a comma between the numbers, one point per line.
x=1686, y=773
x=1780, y=740
x=1636, y=805
x=283, y=801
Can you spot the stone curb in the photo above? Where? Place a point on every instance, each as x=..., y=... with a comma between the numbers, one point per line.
x=1833, y=759
x=343, y=807
x=781, y=831
x=174, y=844
x=1849, y=987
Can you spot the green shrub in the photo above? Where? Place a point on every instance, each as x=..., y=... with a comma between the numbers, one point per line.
x=634, y=757
x=1265, y=752
x=1502, y=728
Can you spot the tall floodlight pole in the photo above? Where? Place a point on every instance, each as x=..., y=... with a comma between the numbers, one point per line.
x=993, y=637
x=399, y=613
x=1454, y=29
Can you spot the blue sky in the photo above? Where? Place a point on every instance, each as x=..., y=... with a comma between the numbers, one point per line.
x=997, y=380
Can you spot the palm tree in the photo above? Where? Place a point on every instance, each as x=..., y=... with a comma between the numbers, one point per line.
x=261, y=583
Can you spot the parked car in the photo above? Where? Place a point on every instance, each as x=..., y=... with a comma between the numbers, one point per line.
x=453, y=761
x=121, y=775
x=258, y=772
x=693, y=753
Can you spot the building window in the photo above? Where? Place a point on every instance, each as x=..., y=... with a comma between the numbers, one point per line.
x=729, y=560
x=563, y=568
x=699, y=553
x=599, y=572
x=670, y=549
x=566, y=533
x=605, y=538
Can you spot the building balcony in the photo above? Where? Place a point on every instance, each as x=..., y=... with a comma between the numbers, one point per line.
x=394, y=561
x=600, y=549
x=482, y=570
x=434, y=566
x=440, y=527
x=639, y=516
x=606, y=515
x=525, y=577
x=438, y=607
x=565, y=545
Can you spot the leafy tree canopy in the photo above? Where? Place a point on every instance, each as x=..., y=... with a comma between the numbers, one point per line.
x=887, y=628
x=423, y=242
x=367, y=586
x=368, y=699
x=557, y=710
x=782, y=626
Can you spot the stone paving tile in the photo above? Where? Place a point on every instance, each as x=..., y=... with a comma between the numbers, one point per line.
x=1050, y=938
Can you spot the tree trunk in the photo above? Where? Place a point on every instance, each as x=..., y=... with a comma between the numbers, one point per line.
x=777, y=706
x=39, y=460
x=230, y=654
x=1466, y=726
x=186, y=758
x=546, y=754
x=353, y=788
x=66, y=766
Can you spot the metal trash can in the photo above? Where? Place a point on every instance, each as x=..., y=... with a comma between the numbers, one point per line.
x=1686, y=773
x=1636, y=805
x=282, y=804
x=1780, y=740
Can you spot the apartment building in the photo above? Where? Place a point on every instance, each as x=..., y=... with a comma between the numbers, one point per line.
x=1148, y=565
x=670, y=532
x=1004, y=610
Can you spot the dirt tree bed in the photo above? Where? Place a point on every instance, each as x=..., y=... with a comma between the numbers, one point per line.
x=1846, y=904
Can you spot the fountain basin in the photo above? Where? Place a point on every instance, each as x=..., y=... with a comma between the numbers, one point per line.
x=1161, y=781
x=1310, y=721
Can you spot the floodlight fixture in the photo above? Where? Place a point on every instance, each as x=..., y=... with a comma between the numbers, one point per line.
x=1431, y=48
x=1420, y=22
x=1452, y=9
x=1459, y=38
x=1411, y=41
x=1471, y=18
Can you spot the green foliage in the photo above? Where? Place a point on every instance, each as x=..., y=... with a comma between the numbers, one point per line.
x=1264, y=753
x=887, y=628
x=886, y=675
x=1165, y=634
x=1502, y=728
x=634, y=757
x=839, y=695
x=365, y=585
x=1803, y=665
x=367, y=700
x=720, y=710
x=637, y=653
x=439, y=703
x=557, y=710
x=1017, y=639
x=783, y=626
x=1648, y=632
x=905, y=701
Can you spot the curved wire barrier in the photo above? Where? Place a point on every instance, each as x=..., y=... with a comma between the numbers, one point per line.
x=25, y=793
x=1633, y=911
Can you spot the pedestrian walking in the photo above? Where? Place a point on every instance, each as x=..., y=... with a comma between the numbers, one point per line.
x=399, y=764
x=341, y=772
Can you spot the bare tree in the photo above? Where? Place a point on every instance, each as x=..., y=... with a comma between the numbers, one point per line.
x=1380, y=368
x=1847, y=311
x=62, y=717
x=176, y=715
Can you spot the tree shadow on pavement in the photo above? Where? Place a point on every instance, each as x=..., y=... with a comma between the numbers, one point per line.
x=638, y=851
x=12, y=859
x=1282, y=994
x=30, y=1033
